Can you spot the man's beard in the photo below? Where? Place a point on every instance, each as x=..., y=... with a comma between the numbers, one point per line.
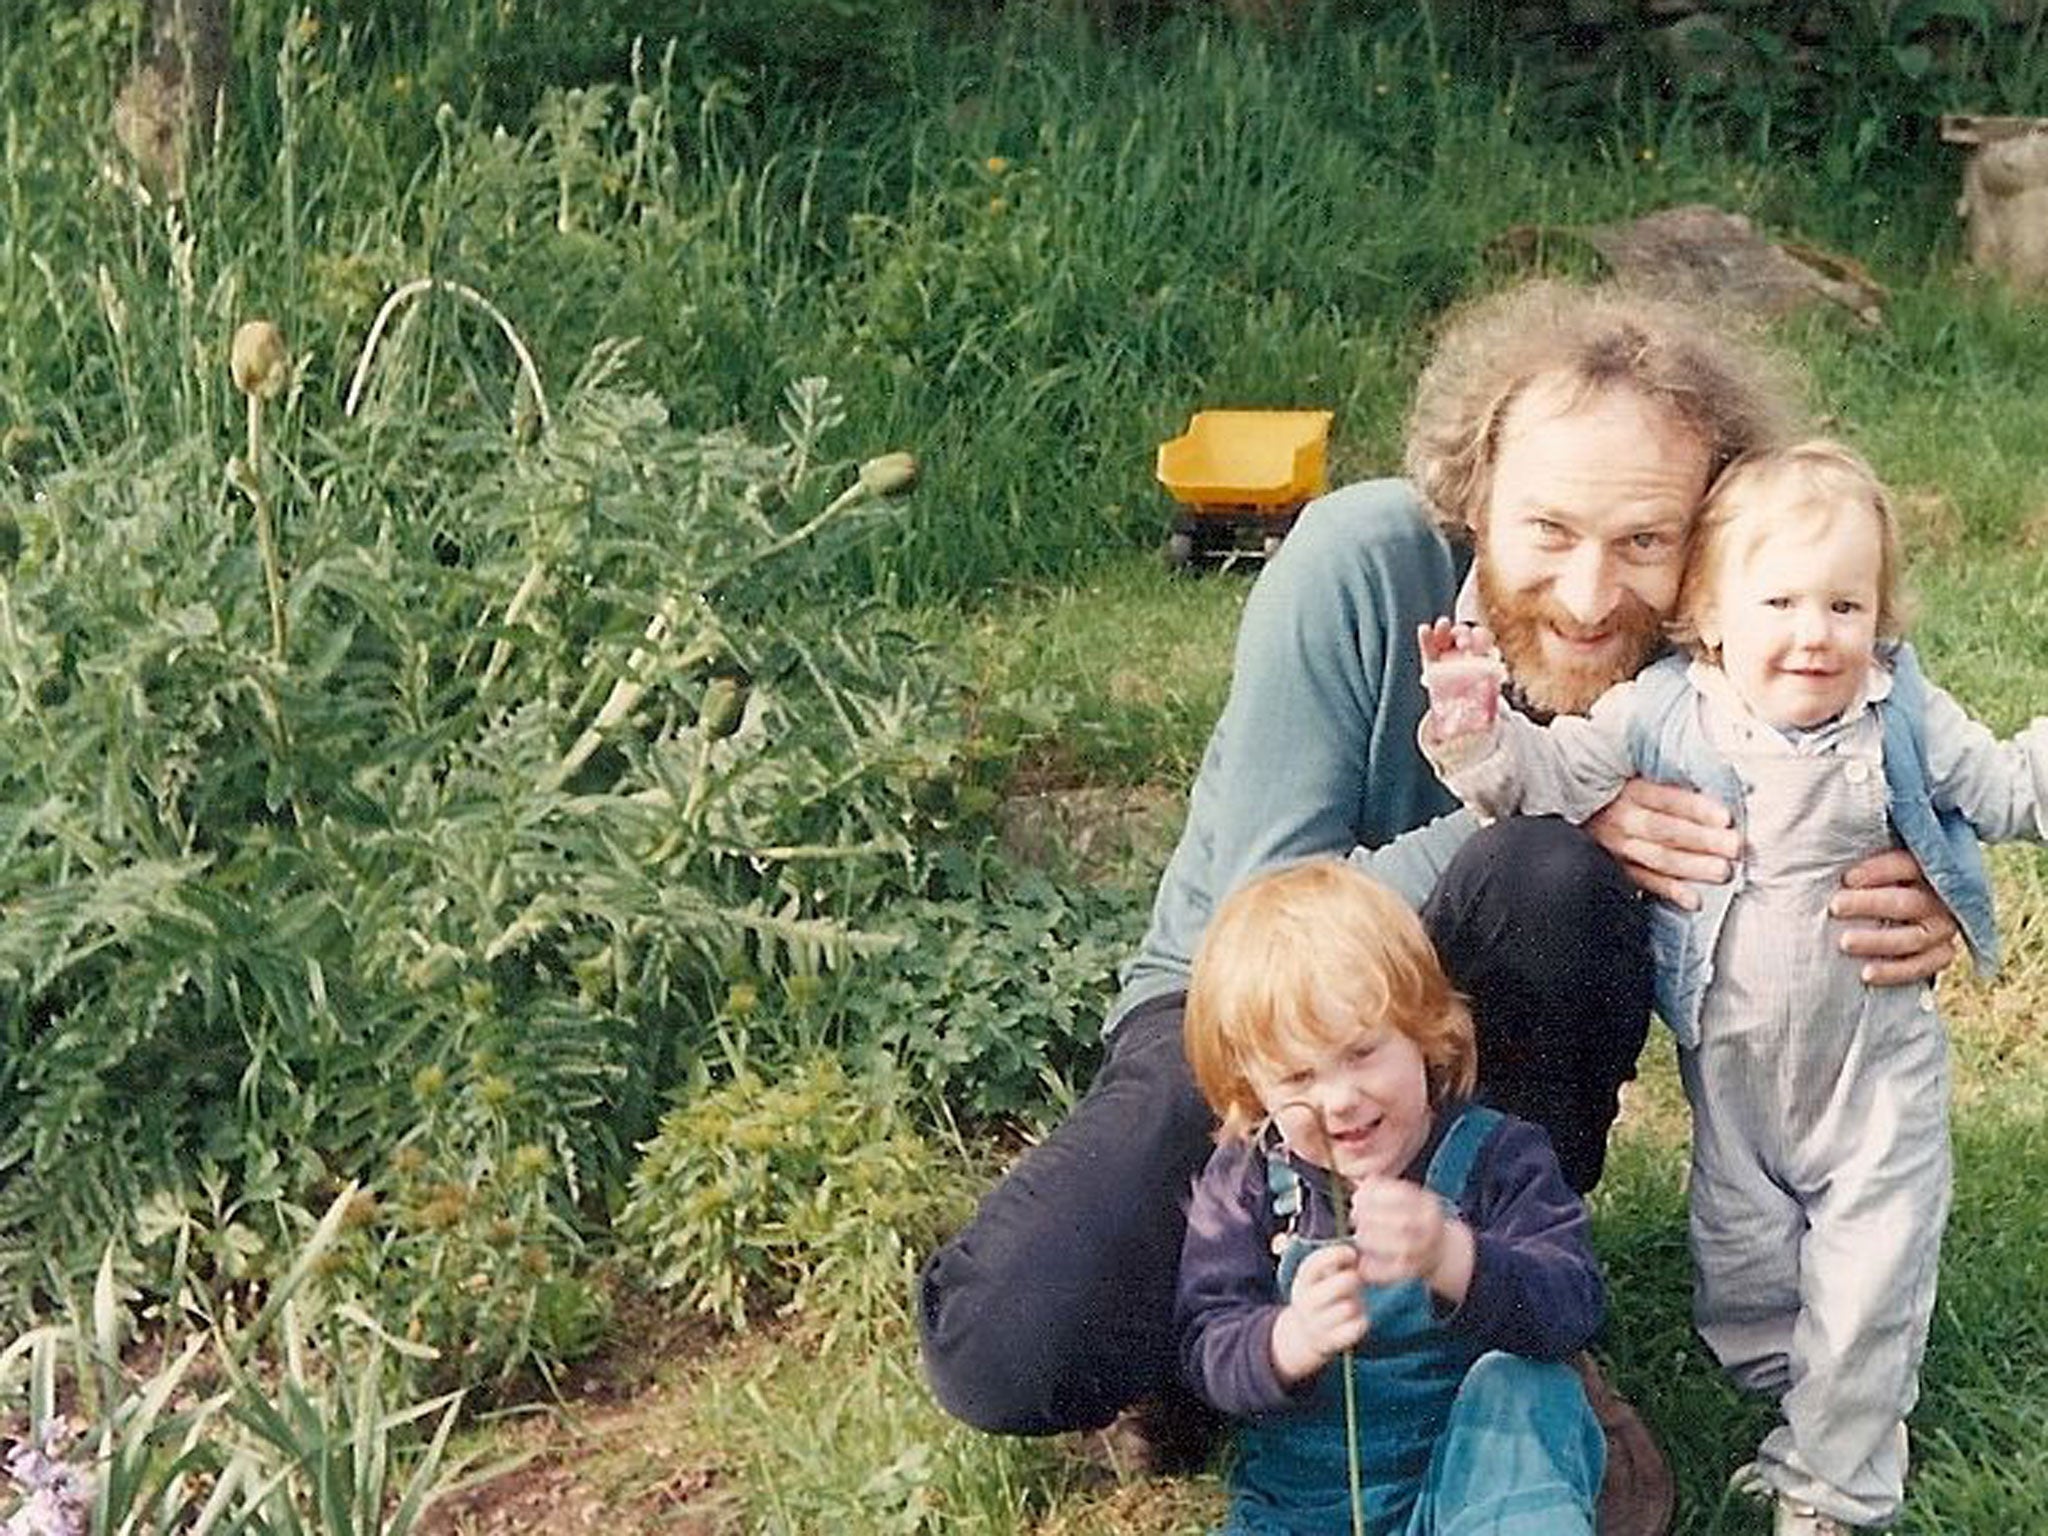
x=1519, y=620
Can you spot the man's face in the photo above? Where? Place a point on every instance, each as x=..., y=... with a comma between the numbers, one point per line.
x=1582, y=539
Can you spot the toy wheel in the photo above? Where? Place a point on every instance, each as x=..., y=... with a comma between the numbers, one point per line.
x=1180, y=551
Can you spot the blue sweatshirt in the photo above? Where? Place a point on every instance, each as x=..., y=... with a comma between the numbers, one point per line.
x=1315, y=752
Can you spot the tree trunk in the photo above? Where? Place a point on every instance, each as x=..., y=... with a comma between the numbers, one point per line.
x=169, y=108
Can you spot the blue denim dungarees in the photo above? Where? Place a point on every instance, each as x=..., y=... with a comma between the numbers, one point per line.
x=1454, y=1440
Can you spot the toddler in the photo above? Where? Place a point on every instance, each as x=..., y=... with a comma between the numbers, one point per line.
x=1820, y=1155
x=1359, y=1216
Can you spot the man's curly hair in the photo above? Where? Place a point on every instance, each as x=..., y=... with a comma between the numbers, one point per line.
x=1706, y=368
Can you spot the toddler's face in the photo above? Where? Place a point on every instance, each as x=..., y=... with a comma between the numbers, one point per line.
x=1795, y=614
x=1359, y=1109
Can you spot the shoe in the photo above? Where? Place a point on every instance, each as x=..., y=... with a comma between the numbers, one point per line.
x=1748, y=1480
x=1794, y=1517
x=1637, y=1496
x=1172, y=1435
x=1797, y=1519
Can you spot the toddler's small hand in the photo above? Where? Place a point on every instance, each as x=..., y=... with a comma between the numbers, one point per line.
x=1462, y=671
x=1443, y=637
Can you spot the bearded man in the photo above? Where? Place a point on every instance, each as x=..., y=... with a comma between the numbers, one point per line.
x=1559, y=447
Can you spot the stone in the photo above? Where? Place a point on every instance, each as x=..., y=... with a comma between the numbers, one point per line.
x=1700, y=252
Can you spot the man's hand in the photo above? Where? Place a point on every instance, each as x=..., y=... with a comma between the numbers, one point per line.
x=1665, y=838
x=1324, y=1315
x=1897, y=923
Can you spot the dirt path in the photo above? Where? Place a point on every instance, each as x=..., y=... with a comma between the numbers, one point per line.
x=611, y=1455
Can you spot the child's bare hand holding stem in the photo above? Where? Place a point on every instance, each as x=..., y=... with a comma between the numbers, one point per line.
x=1324, y=1316
x=1401, y=1233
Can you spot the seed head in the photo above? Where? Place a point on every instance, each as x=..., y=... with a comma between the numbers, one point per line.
x=720, y=710
x=362, y=1210
x=258, y=360
x=529, y=1161
x=889, y=474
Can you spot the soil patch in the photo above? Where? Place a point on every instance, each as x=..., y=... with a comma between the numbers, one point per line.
x=611, y=1453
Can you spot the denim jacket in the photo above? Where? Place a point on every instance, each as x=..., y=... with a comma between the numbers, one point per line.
x=1669, y=743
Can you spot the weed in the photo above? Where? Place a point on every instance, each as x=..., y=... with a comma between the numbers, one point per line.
x=994, y=1001
x=786, y=1193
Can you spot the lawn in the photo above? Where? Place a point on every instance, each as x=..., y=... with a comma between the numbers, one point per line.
x=541, y=874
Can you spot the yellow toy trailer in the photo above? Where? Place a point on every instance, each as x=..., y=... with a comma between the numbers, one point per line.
x=1240, y=478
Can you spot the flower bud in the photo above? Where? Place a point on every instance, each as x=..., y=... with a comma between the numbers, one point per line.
x=890, y=474
x=719, y=712
x=258, y=360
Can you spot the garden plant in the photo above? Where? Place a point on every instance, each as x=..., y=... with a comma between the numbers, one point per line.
x=542, y=592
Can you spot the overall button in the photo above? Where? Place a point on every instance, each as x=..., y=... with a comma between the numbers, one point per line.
x=1857, y=772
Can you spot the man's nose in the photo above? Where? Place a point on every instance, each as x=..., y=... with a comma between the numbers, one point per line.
x=1585, y=586
x=1809, y=625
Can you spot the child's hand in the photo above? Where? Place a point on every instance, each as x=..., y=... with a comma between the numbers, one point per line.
x=1324, y=1316
x=1441, y=638
x=1462, y=670
x=1402, y=1233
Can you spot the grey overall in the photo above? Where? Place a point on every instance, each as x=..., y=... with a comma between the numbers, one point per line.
x=1820, y=1153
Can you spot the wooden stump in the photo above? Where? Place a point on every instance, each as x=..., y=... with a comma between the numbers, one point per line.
x=2005, y=195
x=1710, y=255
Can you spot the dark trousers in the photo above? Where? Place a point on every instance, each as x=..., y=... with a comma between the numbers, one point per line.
x=1053, y=1309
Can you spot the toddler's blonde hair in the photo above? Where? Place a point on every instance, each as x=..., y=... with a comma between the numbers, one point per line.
x=1809, y=484
x=1296, y=962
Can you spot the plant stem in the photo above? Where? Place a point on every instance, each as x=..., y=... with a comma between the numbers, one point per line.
x=266, y=541
x=1339, y=1194
x=1340, y=1207
x=468, y=295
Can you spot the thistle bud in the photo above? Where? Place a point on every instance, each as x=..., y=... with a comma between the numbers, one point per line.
x=724, y=702
x=889, y=474
x=258, y=360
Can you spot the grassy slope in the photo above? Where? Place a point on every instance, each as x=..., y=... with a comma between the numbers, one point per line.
x=864, y=1449
x=1225, y=220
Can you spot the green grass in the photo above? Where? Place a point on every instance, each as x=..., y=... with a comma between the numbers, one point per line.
x=1028, y=257
x=1137, y=660
x=1979, y=1462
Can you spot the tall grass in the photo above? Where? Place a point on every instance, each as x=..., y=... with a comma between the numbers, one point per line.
x=1023, y=251
x=1029, y=258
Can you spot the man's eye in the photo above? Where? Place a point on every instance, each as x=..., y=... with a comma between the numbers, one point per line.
x=1652, y=546
x=1848, y=605
x=1779, y=603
